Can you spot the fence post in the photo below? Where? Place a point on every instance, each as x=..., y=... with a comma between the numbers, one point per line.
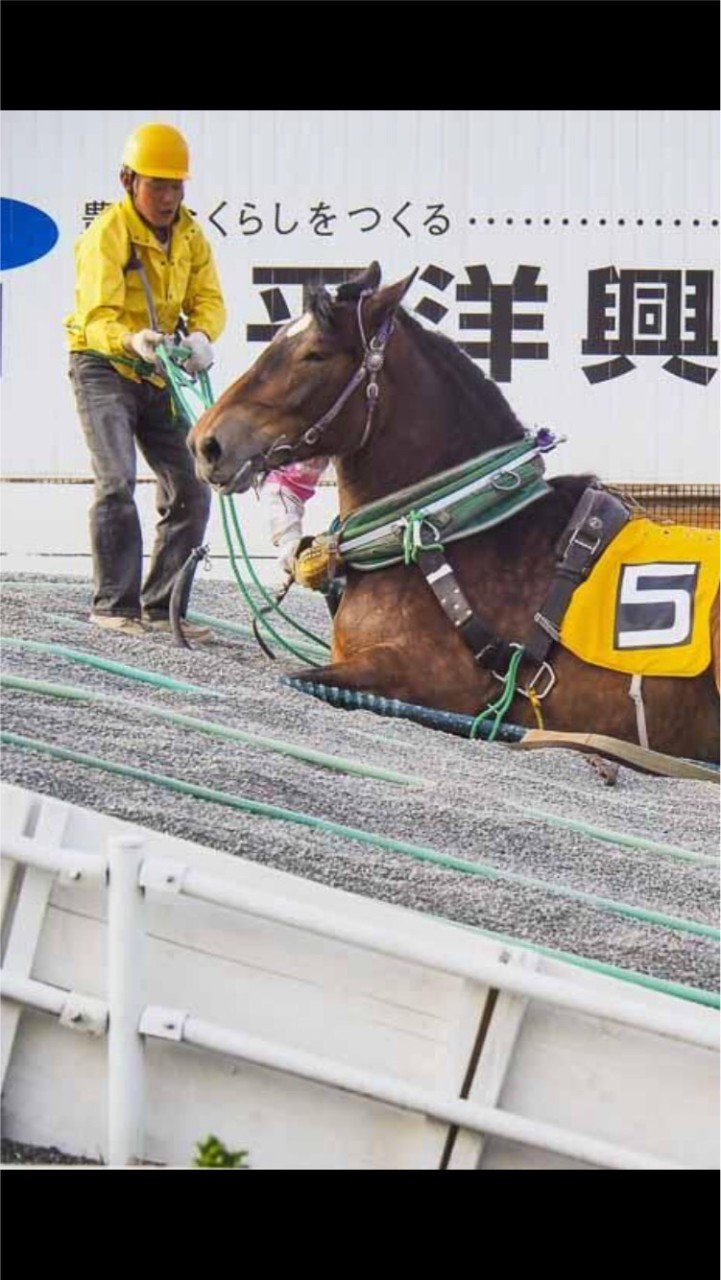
x=126, y=980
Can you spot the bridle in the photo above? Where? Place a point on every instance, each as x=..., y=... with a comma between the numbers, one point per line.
x=370, y=367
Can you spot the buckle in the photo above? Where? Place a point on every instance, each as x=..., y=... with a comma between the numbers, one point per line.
x=546, y=668
x=578, y=541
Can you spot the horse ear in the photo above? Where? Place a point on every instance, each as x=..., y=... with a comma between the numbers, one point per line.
x=321, y=306
x=386, y=301
x=351, y=290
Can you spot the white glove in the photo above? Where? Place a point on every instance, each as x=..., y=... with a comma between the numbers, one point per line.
x=143, y=344
x=201, y=352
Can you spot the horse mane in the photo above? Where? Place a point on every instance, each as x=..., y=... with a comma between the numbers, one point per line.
x=474, y=391
x=471, y=388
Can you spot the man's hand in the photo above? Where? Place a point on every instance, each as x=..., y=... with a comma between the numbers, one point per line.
x=143, y=344
x=201, y=356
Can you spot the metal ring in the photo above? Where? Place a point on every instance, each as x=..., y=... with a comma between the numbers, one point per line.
x=506, y=488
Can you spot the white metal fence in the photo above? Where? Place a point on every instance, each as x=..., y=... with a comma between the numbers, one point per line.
x=311, y=1010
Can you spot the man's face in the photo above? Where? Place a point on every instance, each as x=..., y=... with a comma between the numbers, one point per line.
x=157, y=199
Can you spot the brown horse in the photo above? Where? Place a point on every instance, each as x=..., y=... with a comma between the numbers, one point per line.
x=428, y=408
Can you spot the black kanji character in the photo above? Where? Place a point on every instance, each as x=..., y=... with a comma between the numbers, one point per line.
x=429, y=308
x=649, y=313
x=274, y=299
x=93, y=208
x=501, y=319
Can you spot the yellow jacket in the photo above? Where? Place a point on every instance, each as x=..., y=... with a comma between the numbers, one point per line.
x=110, y=302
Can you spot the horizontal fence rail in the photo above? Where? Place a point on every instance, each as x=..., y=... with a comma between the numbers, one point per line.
x=128, y=875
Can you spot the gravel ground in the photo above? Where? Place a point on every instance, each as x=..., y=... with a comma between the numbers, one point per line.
x=18, y=1154
x=472, y=804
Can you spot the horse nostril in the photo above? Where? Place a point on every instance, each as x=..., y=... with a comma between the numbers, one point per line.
x=210, y=449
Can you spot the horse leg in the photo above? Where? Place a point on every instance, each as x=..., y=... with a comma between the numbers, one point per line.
x=715, y=640
x=381, y=669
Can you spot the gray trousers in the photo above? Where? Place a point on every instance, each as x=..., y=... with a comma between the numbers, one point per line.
x=116, y=415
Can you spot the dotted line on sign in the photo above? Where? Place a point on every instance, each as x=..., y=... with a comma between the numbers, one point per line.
x=601, y=222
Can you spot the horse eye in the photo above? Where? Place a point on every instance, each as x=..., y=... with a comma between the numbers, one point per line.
x=314, y=355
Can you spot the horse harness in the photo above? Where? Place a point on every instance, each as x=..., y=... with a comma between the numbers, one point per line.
x=369, y=368
x=596, y=519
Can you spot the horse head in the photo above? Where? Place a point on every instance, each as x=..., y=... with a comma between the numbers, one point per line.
x=291, y=403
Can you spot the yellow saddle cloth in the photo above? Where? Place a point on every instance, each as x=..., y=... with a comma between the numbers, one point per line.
x=644, y=608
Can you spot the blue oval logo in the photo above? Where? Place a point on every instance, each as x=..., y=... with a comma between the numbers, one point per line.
x=26, y=233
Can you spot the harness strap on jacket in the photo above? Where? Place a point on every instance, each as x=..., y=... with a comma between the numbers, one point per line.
x=597, y=518
x=488, y=649
x=134, y=263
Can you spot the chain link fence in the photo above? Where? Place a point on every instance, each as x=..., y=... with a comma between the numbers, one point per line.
x=693, y=504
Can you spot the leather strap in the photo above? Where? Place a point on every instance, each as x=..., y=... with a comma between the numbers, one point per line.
x=597, y=518
x=488, y=649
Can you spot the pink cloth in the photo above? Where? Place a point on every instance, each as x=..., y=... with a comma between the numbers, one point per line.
x=301, y=478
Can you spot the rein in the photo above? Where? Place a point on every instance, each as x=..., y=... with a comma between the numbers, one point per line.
x=370, y=367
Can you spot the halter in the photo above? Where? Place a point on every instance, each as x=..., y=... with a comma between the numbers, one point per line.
x=370, y=367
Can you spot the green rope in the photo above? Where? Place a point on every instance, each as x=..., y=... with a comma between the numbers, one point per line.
x=226, y=507
x=141, y=367
x=265, y=594
x=412, y=539
x=189, y=396
x=183, y=388
x=501, y=705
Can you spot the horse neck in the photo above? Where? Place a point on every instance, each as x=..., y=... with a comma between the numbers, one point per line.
x=425, y=422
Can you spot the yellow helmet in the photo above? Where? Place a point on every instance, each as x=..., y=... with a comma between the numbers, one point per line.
x=157, y=151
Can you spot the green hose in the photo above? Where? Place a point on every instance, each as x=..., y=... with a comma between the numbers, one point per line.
x=365, y=837
x=616, y=837
x=236, y=628
x=136, y=673
x=115, y=668
x=697, y=995
x=210, y=727
x=233, y=628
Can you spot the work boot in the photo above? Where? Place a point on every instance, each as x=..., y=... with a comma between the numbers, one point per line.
x=118, y=622
x=191, y=630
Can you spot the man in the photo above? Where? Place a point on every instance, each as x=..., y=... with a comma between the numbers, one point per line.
x=142, y=268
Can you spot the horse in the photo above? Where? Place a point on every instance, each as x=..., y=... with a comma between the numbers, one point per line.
x=429, y=410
